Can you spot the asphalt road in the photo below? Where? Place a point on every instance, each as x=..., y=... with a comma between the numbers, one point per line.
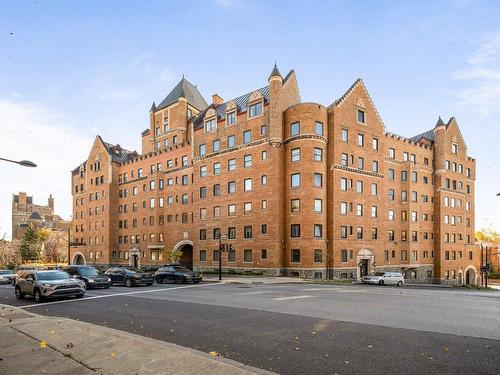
x=306, y=329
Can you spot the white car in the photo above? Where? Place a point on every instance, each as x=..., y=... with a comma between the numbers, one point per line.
x=7, y=277
x=384, y=278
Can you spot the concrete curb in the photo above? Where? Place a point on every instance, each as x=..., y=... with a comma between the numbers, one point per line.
x=104, y=350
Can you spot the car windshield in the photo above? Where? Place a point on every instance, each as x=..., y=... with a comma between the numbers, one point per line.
x=52, y=275
x=88, y=272
x=5, y=272
x=378, y=274
x=181, y=269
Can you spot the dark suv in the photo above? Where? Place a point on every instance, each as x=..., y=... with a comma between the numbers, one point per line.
x=129, y=276
x=90, y=275
x=176, y=273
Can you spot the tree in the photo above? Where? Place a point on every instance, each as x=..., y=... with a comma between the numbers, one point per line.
x=30, y=246
x=54, y=246
x=10, y=256
x=487, y=235
x=172, y=254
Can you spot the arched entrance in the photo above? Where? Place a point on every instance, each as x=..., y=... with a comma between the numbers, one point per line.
x=78, y=258
x=470, y=275
x=186, y=247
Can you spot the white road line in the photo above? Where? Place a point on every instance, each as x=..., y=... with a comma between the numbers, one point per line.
x=289, y=298
x=252, y=293
x=116, y=295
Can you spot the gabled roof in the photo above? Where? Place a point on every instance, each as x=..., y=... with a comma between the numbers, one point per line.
x=241, y=105
x=187, y=90
x=119, y=154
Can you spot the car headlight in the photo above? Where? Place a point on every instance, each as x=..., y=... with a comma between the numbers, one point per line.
x=91, y=281
x=109, y=279
x=47, y=285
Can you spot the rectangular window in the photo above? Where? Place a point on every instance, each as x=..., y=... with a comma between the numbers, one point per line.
x=294, y=129
x=231, y=141
x=263, y=229
x=247, y=256
x=231, y=210
x=318, y=180
x=359, y=186
x=343, y=184
x=255, y=110
x=375, y=143
x=319, y=128
x=247, y=231
x=343, y=232
x=318, y=255
x=295, y=180
x=359, y=210
x=375, y=166
x=392, y=153
x=374, y=212
x=359, y=233
x=343, y=208
x=231, y=164
x=247, y=184
x=247, y=136
x=360, y=116
x=361, y=163
x=361, y=140
x=247, y=208
x=263, y=254
x=318, y=230
x=247, y=161
x=343, y=256
x=345, y=135
x=216, y=190
x=345, y=160
x=374, y=189
x=203, y=171
x=295, y=205
x=295, y=256
x=210, y=125
x=295, y=154
x=295, y=230
x=203, y=192
x=263, y=179
x=231, y=187
x=318, y=154
x=216, y=145
x=318, y=205
x=391, y=174
x=231, y=233
x=231, y=118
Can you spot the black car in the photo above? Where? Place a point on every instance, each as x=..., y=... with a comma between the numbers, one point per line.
x=129, y=276
x=90, y=275
x=176, y=273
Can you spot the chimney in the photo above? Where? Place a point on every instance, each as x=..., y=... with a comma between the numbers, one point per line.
x=217, y=100
x=51, y=203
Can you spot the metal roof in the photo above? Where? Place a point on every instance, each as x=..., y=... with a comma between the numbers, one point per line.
x=429, y=135
x=187, y=90
x=119, y=154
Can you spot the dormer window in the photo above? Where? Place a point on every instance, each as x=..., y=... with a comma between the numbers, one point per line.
x=189, y=113
x=210, y=125
x=361, y=116
x=255, y=110
x=454, y=148
x=231, y=118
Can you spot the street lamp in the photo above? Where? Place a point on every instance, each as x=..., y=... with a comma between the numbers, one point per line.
x=24, y=163
x=498, y=194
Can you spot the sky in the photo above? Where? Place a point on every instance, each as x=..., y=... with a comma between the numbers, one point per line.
x=71, y=70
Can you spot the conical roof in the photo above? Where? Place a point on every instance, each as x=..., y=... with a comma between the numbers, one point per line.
x=186, y=90
x=275, y=72
x=439, y=122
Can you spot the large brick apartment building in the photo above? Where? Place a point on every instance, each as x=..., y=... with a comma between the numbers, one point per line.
x=296, y=188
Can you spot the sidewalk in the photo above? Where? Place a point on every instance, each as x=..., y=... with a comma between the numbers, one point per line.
x=241, y=279
x=34, y=344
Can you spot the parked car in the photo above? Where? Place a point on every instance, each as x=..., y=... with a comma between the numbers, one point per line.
x=90, y=275
x=384, y=278
x=129, y=276
x=176, y=273
x=7, y=277
x=47, y=284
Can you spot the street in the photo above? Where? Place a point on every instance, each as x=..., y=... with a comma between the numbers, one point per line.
x=304, y=328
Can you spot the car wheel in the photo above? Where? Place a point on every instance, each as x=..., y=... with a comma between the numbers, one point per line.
x=107, y=286
x=19, y=295
x=13, y=282
x=149, y=284
x=37, y=296
x=80, y=295
x=400, y=283
x=381, y=282
x=159, y=280
x=128, y=283
x=179, y=280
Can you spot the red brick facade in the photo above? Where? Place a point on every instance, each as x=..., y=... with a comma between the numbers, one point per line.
x=298, y=188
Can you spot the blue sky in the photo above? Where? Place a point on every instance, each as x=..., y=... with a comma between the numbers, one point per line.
x=71, y=70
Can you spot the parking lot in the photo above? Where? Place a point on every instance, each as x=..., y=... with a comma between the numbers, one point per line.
x=284, y=327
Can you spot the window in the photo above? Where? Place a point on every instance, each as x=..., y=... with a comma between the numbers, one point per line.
x=247, y=136
x=295, y=180
x=151, y=202
x=263, y=155
x=295, y=154
x=318, y=154
x=216, y=233
x=263, y=130
x=231, y=210
x=295, y=230
x=295, y=256
x=454, y=148
x=295, y=205
x=343, y=184
x=231, y=141
x=263, y=254
x=231, y=118
x=203, y=255
x=318, y=230
x=203, y=171
x=247, y=208
x=361, y=163
x=359, y=186
x=345, y=135
x=263, y=204
x=391, y=215
x=318, y=180
x=318, y=205
x=231, y=233
x=247, y=231
x=319, y=128
x=216, y=190
x=374, y=233
x=231, y=164
x=361, y=140
x=263, y=179
x=247, y=256
x=375, y=166
x=360, y=116
x=203, y=213
x=318, y=255
x=343, y=232
x=374, y=211
x=247, y=184
x=391, y=174
x=216, y=211
x=392, y=153
x=184, y=179
x=391, y=235
x=263, y=229
x=216, y=145
x=359, y=233
x=216, y=255
x=375, y=143
x=343, y=208
x=343, y=255
x=255, y=110
x=203, y=192
x=294, y=129
x=344, y=161
x=231, y=187
x=403, y=236
x=414, y=176
x=359, y=210
x=210, y=125
x=374, y=189
x=247, y=161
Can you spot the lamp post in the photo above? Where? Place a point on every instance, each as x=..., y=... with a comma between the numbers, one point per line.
x=24, y=163
x=221, y=237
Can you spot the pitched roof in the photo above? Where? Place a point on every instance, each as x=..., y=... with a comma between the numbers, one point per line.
x=187, y=90
x=275, y=71
x=35, y=216
x=119, y=154
x=429, y=135
x=241, y=105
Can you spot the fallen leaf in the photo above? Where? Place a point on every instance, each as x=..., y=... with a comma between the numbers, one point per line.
x=113, y=354
x=43, y=344
x=70, y=345
x=52, y=332
x=214, y=354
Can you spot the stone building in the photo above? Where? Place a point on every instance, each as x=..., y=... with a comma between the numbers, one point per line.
x=26, y=213
x=296, y=188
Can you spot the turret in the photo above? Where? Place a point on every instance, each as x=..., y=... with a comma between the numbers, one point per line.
x=51, y=203
x=275, y=107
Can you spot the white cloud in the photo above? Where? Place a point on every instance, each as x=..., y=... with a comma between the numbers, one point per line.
x=482, y=74
x=33, y=132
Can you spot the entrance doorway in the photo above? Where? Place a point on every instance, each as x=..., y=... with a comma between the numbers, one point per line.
x=469, y=277
x=187, y=256
x=363, y=267
x=79, y=259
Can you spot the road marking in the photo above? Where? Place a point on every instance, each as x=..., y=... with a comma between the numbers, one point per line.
x=252, y=293
x=289, y=298
x=116, y=295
